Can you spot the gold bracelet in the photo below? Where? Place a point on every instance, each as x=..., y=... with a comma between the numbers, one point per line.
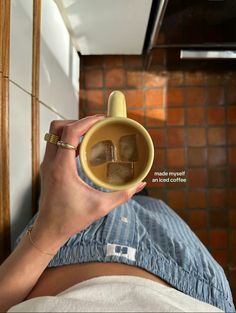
x=29, y=230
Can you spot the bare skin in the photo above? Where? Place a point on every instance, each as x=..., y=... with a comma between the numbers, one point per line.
x=66, y=206
x=55, y=280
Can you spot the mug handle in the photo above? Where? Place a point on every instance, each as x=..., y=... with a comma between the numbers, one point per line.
x=116, y=105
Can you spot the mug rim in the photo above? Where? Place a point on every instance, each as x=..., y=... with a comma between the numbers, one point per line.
x=100, y=124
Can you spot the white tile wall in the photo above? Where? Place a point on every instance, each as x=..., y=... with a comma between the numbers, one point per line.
x=46, y=116
x=21, y=29
x=20, y=159
x=59, y=86
x=59, y=64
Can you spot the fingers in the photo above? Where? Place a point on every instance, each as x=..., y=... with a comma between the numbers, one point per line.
x=71, y=134
x=114, y=199
x=56, y=128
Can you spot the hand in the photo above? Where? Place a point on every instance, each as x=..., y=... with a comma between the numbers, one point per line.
x=67, y=204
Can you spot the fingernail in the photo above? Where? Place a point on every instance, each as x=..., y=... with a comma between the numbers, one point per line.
x=100, y=115
x=141, y=186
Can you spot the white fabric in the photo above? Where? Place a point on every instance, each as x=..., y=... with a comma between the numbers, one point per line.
x=116, y=294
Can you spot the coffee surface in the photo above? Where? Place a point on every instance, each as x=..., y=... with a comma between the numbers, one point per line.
x=117, y=153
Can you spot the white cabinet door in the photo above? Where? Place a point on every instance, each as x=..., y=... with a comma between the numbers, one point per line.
x=58, y=64
x=21, y=30
x=108, y=26
x=20, y=159
x=46, y=116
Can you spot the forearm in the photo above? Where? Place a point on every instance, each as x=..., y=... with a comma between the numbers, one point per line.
x=21, y=270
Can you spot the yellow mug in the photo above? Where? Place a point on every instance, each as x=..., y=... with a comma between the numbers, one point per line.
x=116, y=115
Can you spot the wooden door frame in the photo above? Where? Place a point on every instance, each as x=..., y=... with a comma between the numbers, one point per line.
x=4, y=130
x=5, y=238
x=35, y=105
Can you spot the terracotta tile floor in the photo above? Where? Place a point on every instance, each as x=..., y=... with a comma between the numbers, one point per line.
x=191, y=117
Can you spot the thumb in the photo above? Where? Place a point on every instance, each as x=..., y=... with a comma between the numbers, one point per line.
x=114, y=199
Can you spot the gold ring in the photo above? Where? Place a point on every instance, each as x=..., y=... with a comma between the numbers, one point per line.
x=51, y=138
x=65, y=145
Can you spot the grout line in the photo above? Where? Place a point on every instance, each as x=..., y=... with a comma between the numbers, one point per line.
x=172, y=86
x=165, y=126
x=47, y=106
x=51, y=109
x=208, y=228
x=227, y=182
x=186, y=146
x=16, y=84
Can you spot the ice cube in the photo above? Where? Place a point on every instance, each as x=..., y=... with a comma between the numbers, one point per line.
x=101, y=152
x=128, y=148
x=119, y=172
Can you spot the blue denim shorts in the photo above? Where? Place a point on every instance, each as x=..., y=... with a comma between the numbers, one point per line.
x=146, y=233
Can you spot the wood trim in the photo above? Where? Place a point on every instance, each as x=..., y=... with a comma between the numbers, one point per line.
x=6, y=38
x=35, y=155
x=5, y=186
x=4, y=132
x=2, y=4
x=2, y=232
x=36, y=48
x=35, y=104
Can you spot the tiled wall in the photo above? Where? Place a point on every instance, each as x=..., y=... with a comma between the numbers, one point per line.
x=189, y=109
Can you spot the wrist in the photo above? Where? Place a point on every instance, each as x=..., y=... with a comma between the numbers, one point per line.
x=46, y=238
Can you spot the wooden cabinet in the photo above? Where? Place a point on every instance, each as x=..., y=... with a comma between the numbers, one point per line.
x=107, y=26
